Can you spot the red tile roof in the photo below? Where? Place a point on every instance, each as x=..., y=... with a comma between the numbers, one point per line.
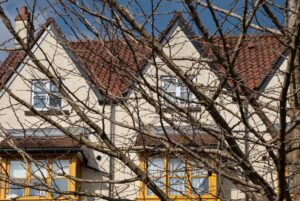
x=256, y=58
x=203, y=139
x=7, y=68
x=15, y=58
x=40, y=142
x=111, y=64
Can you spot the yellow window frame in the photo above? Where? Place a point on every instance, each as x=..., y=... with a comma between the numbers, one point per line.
x=287, y=177
x=212, y=183
x=5, y=170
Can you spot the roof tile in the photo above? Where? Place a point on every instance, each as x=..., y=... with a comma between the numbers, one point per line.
x=190, y=139
x=256, y=58
x=40, y=142
x=111, y=64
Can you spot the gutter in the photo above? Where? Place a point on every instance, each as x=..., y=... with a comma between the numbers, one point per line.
x=42, y=150
x=56, y=151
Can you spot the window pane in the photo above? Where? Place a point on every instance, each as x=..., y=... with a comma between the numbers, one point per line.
x=54, y=101
x=159, y=183
x=183, y=87
x=185, y=93
x=39, y=169
x=60, y=167
x=39, y=94
x=184, y=97
x=177, y=168
x=17, y=169
x=177, y=186
x=200, y=185
x=39, y=101
x=156, y=167
x=156, y=171
x=16, y=190
x=60, y=185
x=199, y=172
x=39, y=184
x=291, y=174
x=53, y=88
x=40, y=87
x=169, y=85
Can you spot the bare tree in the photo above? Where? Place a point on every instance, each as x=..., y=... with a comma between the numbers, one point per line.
x=204, y=108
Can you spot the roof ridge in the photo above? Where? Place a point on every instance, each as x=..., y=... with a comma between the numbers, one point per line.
x=95, y=40
x=120, y=39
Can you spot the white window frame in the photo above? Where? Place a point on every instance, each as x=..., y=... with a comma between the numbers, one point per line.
x=47, y=93
x=178, y=99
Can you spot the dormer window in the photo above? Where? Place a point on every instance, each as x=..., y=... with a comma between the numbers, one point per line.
x=177, y=91
x=45, y=95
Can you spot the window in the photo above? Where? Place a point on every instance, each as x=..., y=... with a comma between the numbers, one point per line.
x=176, y=91
x=199, y=183
x=60, y=168
x=289, y=173
x=177, y=177
x=32, y=179
x=45, y=95
x=181, y=178
x=17, y=173
x=38, y=177
x=156, y=171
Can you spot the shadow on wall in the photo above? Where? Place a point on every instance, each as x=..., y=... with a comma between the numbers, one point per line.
x=228, y=191
x=90, y=170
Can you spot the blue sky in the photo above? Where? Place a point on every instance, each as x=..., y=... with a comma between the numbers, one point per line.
x=164, y=14
x=10, y=7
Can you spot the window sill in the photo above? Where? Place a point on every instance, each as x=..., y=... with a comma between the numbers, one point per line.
x=183, y=198
x=189, y=109
x=38, y=198
x=51, y=112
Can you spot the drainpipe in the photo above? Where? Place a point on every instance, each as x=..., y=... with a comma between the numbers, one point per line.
x=246, y=130
x=112, y=159
x=246, y=109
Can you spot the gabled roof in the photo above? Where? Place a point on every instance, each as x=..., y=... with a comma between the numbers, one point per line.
x=111, y=64
x=258, y=56
x=7, y=68
x=15, y=58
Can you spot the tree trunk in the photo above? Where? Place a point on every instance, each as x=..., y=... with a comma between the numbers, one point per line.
x=293, y=159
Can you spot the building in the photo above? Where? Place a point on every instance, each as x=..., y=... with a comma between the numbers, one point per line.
x=59, y=99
